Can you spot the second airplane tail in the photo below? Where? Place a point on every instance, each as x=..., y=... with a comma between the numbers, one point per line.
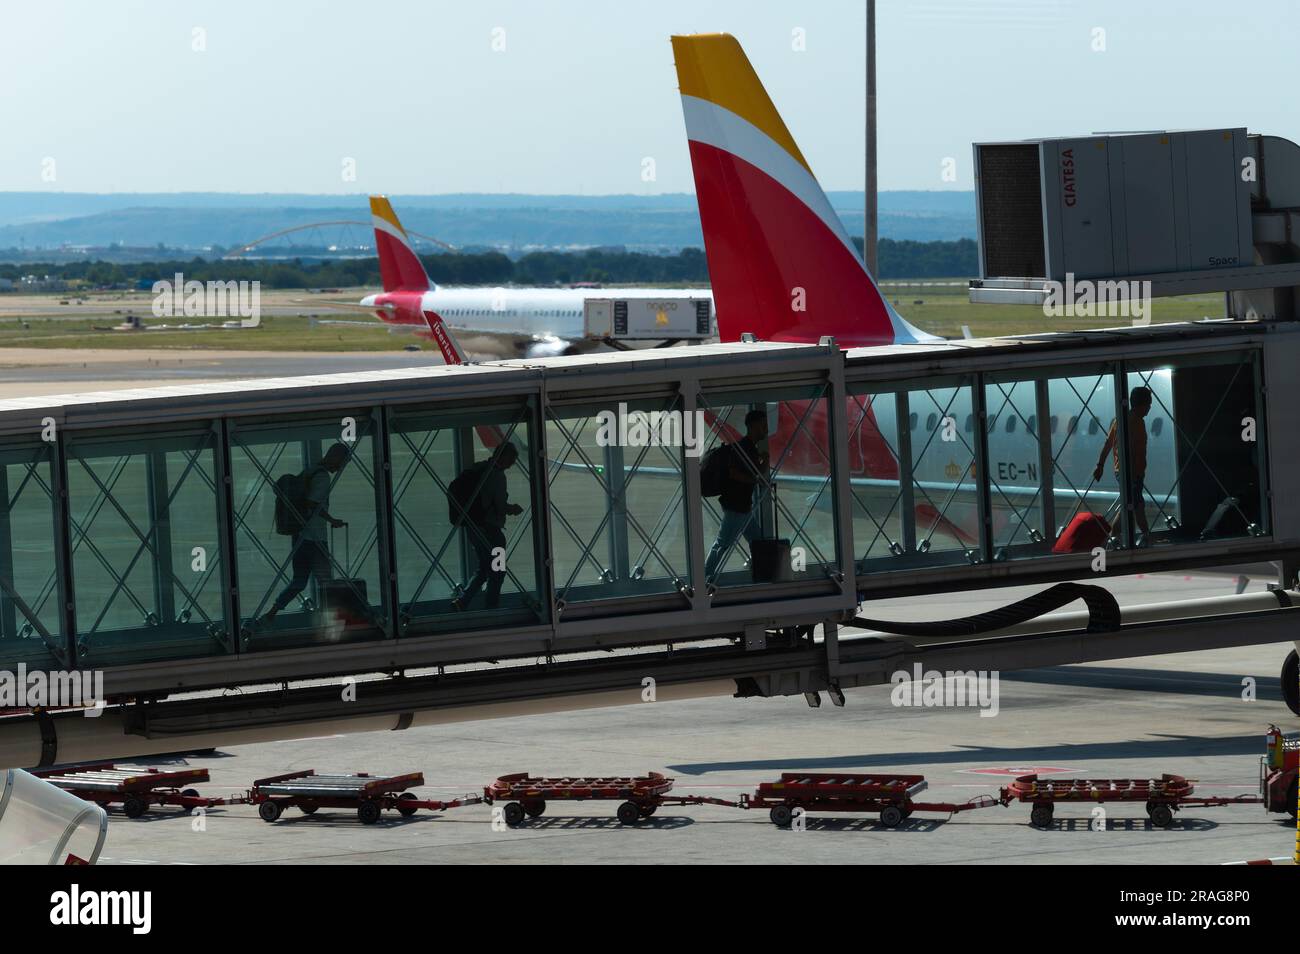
x=780, y=261
x=399, y=267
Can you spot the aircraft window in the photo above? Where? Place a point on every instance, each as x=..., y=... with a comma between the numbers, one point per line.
x=970, y=421
x=1033, y=424
x=1093, y=426
x=931, y=421
x=911, y=421
x=1157, y=426
x=1011, y=424
x=1074, y=422
x=1052, y=423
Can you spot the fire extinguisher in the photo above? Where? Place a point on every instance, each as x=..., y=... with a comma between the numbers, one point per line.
x=1273, y=747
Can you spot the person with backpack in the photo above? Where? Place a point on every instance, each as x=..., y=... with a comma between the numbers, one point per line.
x=734, y=470
x=479, y=504
x=302, y=511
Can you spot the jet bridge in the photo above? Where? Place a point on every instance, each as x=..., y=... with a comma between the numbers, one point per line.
x=147, y=536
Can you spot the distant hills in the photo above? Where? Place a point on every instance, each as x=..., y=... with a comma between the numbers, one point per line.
x=194, y=221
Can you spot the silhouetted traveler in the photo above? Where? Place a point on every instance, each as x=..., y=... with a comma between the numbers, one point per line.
x=746, y=465
x=480, y=503
x=302, y=510
x=1139, y=405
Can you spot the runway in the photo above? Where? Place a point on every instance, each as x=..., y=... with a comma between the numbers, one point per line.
x=26, y=372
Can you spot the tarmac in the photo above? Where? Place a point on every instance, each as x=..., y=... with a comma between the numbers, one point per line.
x=1187, y=714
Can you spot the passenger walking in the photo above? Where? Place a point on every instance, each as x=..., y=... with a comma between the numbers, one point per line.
x=480, y=504
x=302, y=511
x=1139, y=405
x=743, y=468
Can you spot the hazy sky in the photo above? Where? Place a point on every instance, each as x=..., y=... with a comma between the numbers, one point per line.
x=118, y=96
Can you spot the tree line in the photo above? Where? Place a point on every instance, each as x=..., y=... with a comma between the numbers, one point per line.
x=898, y=259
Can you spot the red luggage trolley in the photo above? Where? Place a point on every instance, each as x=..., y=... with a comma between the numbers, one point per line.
x=526, y=795
x=136, y=789
x=893, y=796
x=369, y=795
x=1162, y=796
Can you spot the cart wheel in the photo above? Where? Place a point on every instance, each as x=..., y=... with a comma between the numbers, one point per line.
x=1161, y=815
x=514, y=814
x=369, y=812
x=629, y=813
x=534, y=809
x=269, y=811
x=891, y=816
x=190, y=793
x=406, y=811
x=1041, y=815
x=308, y=808
x=907, y=811
x=134, y=807
x=1151, y=803
x=648, y=810
x=781, y=815
x=1291, y=682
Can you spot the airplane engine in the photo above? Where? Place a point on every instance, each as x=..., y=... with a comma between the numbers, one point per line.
x=548, y=348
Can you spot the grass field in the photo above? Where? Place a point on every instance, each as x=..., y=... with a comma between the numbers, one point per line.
x=943, y=310
x=287, y=324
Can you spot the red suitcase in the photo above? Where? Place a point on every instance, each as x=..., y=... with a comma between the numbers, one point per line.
x=1084, y=533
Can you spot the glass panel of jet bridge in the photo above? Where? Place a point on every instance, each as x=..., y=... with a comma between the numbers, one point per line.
x=915, y=500
x=1194, y=432
x=145, y=542
x=466, y=540
x=769, y=508
x=31, y=627
x=617, y=488
x=305, y=502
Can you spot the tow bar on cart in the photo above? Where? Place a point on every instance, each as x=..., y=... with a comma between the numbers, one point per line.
x=368, y=795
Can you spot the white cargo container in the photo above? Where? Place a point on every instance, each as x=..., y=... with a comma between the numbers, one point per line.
x=648, y=318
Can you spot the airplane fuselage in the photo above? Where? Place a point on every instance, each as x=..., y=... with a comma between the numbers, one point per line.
x=523, y=313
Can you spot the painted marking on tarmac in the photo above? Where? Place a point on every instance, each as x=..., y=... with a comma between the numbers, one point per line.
x=1017, y=770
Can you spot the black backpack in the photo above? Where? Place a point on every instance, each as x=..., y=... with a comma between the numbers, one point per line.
x=291, y=504
x=463, y=504
x=713, y=470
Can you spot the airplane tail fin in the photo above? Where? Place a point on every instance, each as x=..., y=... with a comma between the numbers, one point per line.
x=443, y=337
x=780, y=261
x=399, y=266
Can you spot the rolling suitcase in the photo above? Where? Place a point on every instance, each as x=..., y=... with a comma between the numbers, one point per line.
x=1086, y=530
x=1225, y=507
x=769, y=560
x=344, y=598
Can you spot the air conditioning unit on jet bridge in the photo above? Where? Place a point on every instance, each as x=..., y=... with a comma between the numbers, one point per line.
x=1211, y=210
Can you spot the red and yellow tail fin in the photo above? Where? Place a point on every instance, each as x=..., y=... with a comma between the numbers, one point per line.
x=780, y=261
x=399, y=266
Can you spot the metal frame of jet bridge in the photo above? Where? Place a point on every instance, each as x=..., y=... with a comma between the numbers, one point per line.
x=756, y=638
